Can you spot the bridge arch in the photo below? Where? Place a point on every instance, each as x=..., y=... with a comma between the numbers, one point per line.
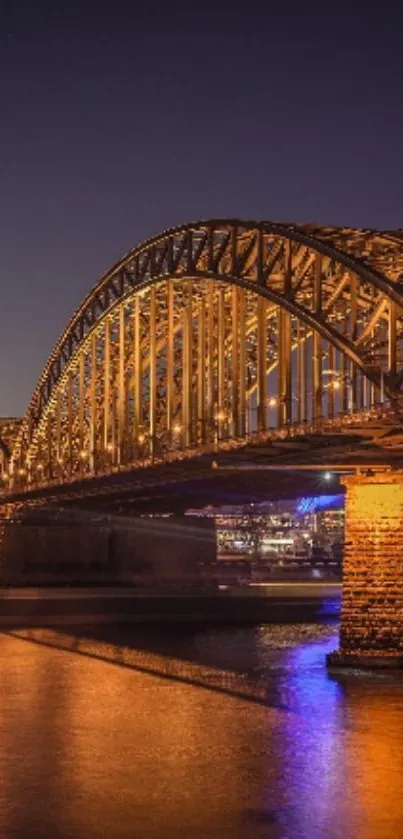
x=211, y=331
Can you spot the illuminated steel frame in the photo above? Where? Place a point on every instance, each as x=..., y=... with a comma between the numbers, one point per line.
x=212, y=331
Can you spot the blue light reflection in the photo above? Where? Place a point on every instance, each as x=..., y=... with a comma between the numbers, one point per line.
x=311, y=504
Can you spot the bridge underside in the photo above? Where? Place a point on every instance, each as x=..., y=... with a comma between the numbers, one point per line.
x=286, y=468
x=179, y=493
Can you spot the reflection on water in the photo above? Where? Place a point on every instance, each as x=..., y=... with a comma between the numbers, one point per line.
x=238, y=733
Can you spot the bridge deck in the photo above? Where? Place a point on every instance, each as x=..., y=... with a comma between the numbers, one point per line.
x=193, y=481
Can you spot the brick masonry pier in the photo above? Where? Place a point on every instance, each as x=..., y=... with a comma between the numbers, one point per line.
x=371, y=633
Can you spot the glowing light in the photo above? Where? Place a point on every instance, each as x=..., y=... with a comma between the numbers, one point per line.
x=267, y=541
x=319, y=502
x=221, y=416
x=109, y=448
x=336, y=385
x=273, y=402
x=83, y=454
x=141, y=438
x=327, y=476
x=177, y=428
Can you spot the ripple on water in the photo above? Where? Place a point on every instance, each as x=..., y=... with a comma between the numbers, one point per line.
x=233, y=733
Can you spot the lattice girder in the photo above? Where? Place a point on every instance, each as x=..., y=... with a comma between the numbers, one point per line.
x=195, y=324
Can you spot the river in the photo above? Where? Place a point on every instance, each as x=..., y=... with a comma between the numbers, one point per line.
x=231, y=733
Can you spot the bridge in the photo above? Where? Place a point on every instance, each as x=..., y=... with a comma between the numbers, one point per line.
x=211, y=339
x=212, y=332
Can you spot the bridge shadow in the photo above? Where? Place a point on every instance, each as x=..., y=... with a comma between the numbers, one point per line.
x=171, y=656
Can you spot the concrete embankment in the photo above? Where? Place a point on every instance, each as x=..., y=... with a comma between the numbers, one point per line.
x=272, y=603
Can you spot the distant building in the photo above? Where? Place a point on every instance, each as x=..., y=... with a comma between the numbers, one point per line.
x=303, y=531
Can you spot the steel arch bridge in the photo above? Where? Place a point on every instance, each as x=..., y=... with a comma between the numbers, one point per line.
x=210, y=332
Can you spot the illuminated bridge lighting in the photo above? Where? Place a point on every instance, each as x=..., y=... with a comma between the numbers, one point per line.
x=230, y=331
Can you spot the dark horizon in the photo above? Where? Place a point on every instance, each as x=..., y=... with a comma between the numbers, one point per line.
x=116, y=126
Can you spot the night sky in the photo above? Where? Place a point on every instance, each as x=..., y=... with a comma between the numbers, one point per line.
x=116, y=125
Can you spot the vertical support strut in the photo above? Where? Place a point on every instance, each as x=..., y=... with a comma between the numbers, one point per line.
x=284, y=368
x=317, y=344
x=107, y=381
x=210, y=356
x=81, y=403
x=58, y=427
x=280, y=368
x=301, y=373
x=361, y=381
x=235, y=362
x=242, y=362
x=331, y=383
x=304, y=387
x=152, y=370
x=138, y=371
x=372, y=395
x=392, y=321
x=70, y=420
x=353, y=335
x=187, y=368
x=261, y=363
x=93, y=403
x=373, y=389
x=170, y=355
x=288, y=368
x=49, y=444
x=285, y=347
x=121, y=386
x=201, y=374
x=345, y=383
x=221, y=417
x=346, y=406
x=366, y=393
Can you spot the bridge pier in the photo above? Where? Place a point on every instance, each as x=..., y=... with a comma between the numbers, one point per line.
x=371, y=633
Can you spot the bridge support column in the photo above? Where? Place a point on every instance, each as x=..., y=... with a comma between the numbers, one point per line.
x=371, y=632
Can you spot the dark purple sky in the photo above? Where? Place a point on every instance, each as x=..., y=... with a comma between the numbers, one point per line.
x=114, y=126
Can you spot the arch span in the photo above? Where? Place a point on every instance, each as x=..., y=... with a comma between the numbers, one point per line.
x=210, y=331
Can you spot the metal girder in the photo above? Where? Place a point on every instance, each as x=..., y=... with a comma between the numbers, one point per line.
x=330, y=300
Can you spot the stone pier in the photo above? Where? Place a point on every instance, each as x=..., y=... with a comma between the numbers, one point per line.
x=371, y=633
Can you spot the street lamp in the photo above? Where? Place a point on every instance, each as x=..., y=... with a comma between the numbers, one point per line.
x=337, y=382
x=220, y=425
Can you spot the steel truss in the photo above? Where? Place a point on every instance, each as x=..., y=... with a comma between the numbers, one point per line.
x=213, y=331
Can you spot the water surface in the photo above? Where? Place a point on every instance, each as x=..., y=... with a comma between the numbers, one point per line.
x=230, y=733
